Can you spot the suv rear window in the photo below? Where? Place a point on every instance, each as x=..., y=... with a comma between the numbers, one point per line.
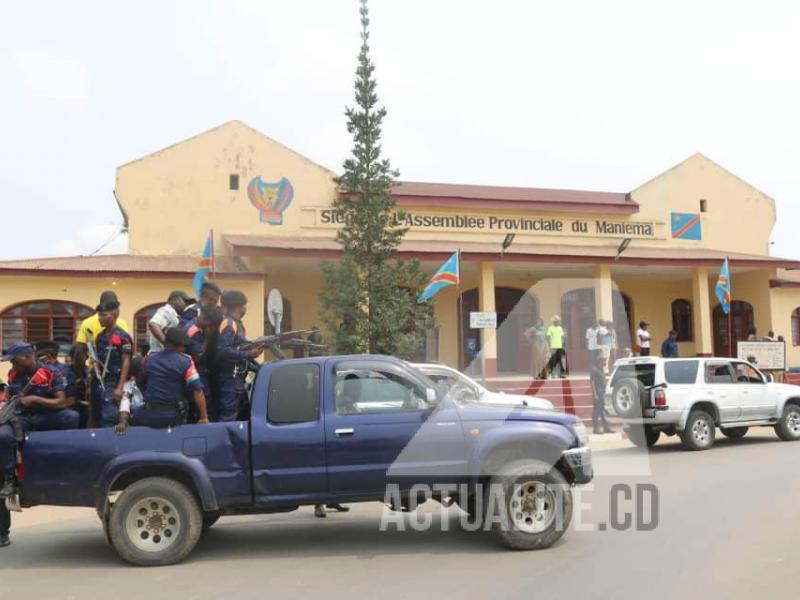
x=681, y=371
x=645, y=373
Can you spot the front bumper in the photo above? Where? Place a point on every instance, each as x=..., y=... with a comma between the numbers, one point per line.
x=579, y=462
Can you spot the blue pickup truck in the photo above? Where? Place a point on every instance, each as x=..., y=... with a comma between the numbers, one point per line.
x=329, y=429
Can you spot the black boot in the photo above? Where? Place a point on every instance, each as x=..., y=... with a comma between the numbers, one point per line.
x=596, y=428
x=319, y=511
x=338, y=507
x=4, y=541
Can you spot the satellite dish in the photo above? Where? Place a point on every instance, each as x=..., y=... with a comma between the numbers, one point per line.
x=275, y=309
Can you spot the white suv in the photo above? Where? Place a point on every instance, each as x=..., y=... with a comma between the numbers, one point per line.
x=690, y=397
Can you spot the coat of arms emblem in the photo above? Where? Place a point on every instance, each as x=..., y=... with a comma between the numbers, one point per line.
x=271, y=199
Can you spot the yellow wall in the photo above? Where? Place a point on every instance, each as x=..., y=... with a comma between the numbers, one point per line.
x=133, y=293
x=191, y=179
x=739, y=217
x=188, y=183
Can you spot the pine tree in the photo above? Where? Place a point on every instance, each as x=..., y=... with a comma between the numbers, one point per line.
x=369, y=297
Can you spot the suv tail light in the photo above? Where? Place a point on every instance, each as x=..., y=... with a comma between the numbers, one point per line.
x=660, y=398
x=20, y=466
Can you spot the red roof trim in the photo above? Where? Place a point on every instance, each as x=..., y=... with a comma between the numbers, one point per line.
x=245, y=250
x=122, y=274
x=553, y=206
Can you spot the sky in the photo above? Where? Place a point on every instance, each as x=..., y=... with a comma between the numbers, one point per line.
x=580, y=94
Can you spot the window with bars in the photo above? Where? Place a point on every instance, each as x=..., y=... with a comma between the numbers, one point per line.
x=682, y=320
x=42, y=320
x=796, y=327
x=140, y=321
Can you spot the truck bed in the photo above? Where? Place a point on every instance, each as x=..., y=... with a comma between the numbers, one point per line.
x=71, y=468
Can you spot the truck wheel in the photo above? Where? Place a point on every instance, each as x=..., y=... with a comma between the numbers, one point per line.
x=209, y=520
x=626, y=398
x=734, y=432
x=788, y=428
x=643, y=437
x=531, y=503
x=155, y=521
x=699, y=432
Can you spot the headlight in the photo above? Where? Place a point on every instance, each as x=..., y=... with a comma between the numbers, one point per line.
x=581, y=433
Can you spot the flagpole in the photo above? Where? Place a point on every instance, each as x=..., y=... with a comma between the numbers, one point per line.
x=461, y=348
x=730, y=309
x=211, y=237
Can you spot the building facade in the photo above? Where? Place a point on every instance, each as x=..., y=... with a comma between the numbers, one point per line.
x=270, y=212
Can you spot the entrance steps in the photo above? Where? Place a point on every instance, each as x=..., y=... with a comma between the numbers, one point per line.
x=572, y=395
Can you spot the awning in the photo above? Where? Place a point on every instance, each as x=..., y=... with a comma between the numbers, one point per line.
x=434, y=250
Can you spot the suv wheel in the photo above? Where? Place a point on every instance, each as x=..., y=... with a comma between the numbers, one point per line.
x=626, y=398
x=699, y=432
x=734, y=432
x=788, y=428
x=642, y=437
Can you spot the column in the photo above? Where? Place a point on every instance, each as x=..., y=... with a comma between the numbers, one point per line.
x=603, y=293
x=486, y=304
x=701, y=313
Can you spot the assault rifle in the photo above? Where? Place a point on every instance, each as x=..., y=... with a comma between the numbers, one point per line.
x=273, y=342
x=8, y=413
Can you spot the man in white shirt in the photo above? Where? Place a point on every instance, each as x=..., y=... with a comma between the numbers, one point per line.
x=591, y=338
x=643, y=337
x=166, y=317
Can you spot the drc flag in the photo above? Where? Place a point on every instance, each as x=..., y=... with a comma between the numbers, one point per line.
x=205, y=265
x=723, y=288
x=447, y=274
x=686, y=226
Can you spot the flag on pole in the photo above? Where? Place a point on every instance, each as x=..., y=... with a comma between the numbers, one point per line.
x=447, y=274
x=205, y=265
x=723, y=288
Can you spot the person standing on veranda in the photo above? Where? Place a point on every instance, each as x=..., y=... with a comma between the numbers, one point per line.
x=555, y=339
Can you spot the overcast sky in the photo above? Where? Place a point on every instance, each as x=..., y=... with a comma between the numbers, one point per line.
x=580, y=94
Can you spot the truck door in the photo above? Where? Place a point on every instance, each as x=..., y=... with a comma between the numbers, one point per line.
x=722, y=390
x=288, y=435
x=756, y=403
x=380, y=427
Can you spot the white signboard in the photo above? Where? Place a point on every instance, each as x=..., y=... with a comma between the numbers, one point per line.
x=483, y=320
x=768, y=355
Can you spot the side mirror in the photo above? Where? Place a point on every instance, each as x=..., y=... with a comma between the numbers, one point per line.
x=430, y=395
x=770, y=378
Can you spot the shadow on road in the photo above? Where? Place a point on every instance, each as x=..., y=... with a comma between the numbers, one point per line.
x=273, y=536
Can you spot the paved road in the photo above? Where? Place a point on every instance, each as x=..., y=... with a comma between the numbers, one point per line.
x=729, y=527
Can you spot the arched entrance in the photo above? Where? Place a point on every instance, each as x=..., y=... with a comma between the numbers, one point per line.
x=517, y=310
x=578, y=314
x=741, y=319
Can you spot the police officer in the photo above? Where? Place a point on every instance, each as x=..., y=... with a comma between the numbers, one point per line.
x=202, y=347
x=43, y=407
x=231, y=359
x=114, y=350
x=209, y=296
x=168, y=377
x=47, y=353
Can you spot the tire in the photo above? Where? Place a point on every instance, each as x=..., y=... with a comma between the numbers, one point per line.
x=734, y=433
x=699, y=432
x=643, y=437
x=209, y=520
x=156, y=521
x=535, y=507
x=788, y=428
x=626, y=398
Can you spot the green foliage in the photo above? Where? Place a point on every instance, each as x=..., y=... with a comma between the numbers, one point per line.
x=369, y=297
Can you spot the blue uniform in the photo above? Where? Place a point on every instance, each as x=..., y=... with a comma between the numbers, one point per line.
x=231, y=368
x=167, y=377
x=201, y=357
x=189, y=314
x=47, y=382
x=112, y=345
